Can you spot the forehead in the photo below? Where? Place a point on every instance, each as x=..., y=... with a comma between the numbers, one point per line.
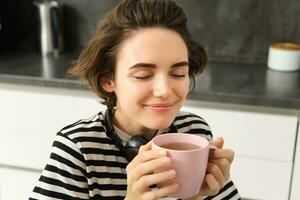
x=153, y=45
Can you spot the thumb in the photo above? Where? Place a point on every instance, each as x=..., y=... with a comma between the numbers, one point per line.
x=219, y=142
x=146, y=146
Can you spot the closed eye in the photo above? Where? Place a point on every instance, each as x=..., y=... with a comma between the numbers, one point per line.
x=180, y=72
x=179, y=75
x=142, y=77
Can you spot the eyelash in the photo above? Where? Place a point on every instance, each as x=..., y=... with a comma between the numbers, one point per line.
x=147, y=77
x=179, y=76
x=142, y=77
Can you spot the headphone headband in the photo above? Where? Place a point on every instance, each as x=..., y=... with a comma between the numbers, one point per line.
x=111, y=131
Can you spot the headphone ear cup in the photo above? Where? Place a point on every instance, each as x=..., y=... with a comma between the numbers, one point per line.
x=136, y=141
x=132, y=146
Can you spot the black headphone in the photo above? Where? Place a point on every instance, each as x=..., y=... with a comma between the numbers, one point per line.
x=131, y=148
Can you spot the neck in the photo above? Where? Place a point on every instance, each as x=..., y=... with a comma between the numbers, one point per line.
x=130, y=128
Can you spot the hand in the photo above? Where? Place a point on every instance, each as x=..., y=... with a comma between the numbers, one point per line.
x=140, y=174
x=218, y=169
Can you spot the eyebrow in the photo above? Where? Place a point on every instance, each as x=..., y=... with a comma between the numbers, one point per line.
x=150, y=65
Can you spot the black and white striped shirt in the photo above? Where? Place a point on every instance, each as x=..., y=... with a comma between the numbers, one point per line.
x=85, y=163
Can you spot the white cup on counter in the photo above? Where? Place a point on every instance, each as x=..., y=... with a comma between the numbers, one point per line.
x=284, y=57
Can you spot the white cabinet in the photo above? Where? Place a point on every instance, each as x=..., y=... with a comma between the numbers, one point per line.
x=295, y=191
x=16, y=183
x=31, y=116
x=29, y=120
x=264, y=145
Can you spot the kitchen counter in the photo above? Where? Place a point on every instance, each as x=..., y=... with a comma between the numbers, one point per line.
x=249, y=84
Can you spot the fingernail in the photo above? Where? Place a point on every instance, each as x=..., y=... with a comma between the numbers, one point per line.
x=162, y=153
x=172, y=173
x=166, y=160
x=176, y=185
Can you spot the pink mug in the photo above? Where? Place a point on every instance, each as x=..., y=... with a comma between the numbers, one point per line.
x=189, y=156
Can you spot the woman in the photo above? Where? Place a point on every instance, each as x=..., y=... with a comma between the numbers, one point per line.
x=141, y=62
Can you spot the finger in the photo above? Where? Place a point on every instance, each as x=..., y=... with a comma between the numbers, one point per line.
x=151, y=179
x=135, y=159
x=222, y=153
x=144, y=156
x=224, y=165
x=148, y=168
x=219, y=142
x=145, y=147
x=215, y=170
x=213, y=184
x=162, y=192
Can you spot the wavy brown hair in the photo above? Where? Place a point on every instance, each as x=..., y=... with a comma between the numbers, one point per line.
x=98, y=58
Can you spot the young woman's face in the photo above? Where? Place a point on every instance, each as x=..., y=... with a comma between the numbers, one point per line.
x=151, y=80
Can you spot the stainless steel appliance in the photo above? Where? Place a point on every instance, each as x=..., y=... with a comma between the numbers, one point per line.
x=50, y=32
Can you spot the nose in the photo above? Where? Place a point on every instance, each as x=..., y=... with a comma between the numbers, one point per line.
x=162, y=87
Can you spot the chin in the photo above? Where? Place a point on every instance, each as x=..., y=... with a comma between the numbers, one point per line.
x=160, y=124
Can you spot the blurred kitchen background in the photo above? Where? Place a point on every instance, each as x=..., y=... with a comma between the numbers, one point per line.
x=254, y=108
x=231, y=30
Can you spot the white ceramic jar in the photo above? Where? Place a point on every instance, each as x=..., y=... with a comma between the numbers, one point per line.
x=284, y=57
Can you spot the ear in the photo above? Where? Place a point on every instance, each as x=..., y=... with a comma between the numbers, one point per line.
x=107, y=83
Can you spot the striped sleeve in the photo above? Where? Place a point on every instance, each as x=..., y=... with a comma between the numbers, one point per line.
x=64, y=174
x=228, y=192
x=191, y=123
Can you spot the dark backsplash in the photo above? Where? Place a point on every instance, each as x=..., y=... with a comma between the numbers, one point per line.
x=231, y=30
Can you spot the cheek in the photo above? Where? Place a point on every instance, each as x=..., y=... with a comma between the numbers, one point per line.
x=136, y=91
x=183, y=89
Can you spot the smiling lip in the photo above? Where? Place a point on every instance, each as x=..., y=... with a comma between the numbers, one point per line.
x=160, y=107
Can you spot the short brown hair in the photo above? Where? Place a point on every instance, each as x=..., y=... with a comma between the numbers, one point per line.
x=98, y=58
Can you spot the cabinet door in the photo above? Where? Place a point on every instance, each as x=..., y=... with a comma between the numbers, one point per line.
x=264, y=146
x=295, y=192
x=253, y=134
x=16, y=184
x=31, y=116
x=261, y=178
